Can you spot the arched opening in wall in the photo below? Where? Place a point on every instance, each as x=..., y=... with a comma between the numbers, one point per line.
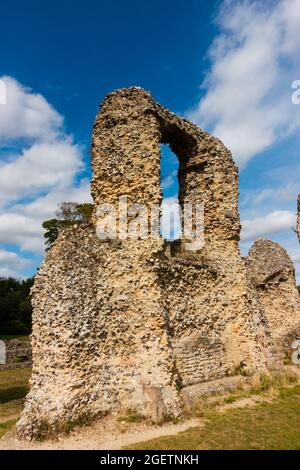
x=170, y=221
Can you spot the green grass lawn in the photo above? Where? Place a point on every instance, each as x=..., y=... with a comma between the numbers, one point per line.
x=4, y=427
x=269, y=425
x=13, y=389
x=14, y=384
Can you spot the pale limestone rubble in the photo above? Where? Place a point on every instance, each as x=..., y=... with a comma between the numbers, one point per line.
x=298, y=218
x=273, y=275
x=127, y=324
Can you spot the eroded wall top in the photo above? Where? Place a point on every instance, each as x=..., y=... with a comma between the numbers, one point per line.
x=127, y=134
x=269, y=262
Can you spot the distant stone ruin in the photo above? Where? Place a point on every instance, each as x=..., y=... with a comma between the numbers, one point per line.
x=272, y=273
x=130, y=324
x=16, y=353
x=298, y=218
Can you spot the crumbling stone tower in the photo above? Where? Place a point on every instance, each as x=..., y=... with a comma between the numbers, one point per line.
x=298, y=217
x=272, y=274
x=127, y=323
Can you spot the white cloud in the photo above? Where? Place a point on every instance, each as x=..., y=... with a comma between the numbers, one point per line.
x=247, y=91
x=45, y=206
x=296, y=259
x=274, y=222
x=270, y=196
x=27, y=114
x=43, y=166
x=22, y=224
x=33, y=180
x=169, y=180
x=170, y=220
x=10, y=262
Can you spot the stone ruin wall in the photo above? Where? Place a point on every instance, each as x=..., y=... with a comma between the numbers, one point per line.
x=125, y=324
x=126, y=161
x=126, y=144
x=298, y=218
x=272, y=273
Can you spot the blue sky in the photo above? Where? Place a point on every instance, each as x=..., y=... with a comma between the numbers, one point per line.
x=226, y=65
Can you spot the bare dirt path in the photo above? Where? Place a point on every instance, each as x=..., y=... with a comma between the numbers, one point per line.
x=111, y=434
x=105, y=434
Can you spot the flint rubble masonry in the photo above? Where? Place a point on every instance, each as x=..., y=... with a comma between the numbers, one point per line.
x=298, y=218
x=126, y=324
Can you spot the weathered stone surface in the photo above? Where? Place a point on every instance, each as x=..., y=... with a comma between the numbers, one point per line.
x=100, y=338
x=126, y=161
x=127, y=323
x=273, y=275
x=190, y=395
x=298, y=218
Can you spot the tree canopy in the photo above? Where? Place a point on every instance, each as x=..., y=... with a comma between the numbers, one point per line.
x=15, y=306
x=68, y=213
x=15, y=301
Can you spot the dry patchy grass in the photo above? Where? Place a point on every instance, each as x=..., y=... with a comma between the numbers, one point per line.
x=14, y=384
x=13, y=389
x=268, y=425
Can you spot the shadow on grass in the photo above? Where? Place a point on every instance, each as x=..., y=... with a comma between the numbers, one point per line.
x=13, y=393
